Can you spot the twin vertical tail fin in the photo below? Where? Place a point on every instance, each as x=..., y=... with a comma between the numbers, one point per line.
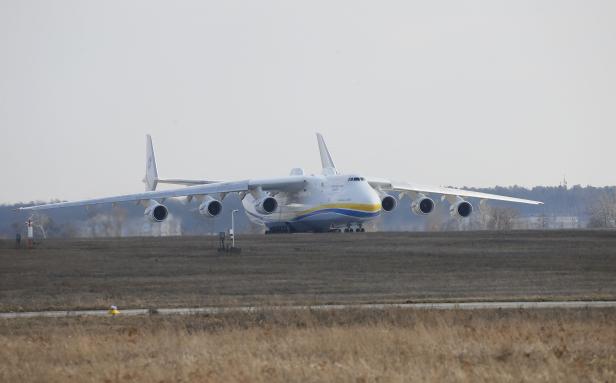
x=326, y=159
x=151, y=174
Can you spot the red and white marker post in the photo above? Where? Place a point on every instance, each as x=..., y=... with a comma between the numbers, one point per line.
x=30, y=233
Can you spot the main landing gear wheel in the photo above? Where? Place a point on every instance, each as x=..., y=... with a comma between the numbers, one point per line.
x=359, y=229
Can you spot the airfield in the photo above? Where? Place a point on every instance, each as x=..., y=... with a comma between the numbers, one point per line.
x=309, y=269
x=356, y=307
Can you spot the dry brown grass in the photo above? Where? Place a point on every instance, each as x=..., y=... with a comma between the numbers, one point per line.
x=351, y=346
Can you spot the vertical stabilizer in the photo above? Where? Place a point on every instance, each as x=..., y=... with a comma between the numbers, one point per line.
x=151, y=174
x=326, y=158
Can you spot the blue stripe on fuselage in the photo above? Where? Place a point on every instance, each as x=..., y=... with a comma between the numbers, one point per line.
x=347, y=212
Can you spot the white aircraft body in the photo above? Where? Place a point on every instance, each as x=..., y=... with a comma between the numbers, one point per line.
x=299, y=202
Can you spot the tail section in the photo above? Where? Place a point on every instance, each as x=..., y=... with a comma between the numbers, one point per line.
x=326, y=159
x=151, y=174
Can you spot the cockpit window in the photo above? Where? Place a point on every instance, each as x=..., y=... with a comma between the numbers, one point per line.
x=357, y=179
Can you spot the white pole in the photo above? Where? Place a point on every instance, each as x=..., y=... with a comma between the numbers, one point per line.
x=233, y=228
x=30, y=233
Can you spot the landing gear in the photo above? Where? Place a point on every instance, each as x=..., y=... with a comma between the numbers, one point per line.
x=358, y=229
x=282, y=229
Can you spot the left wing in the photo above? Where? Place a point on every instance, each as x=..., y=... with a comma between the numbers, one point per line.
x=186, y=182
x=223, y=187
x=283, y=184
x=449, y=192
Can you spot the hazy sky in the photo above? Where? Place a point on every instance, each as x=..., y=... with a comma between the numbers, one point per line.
x=439, y=92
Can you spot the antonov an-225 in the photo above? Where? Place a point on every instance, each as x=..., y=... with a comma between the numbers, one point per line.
x=330, y=201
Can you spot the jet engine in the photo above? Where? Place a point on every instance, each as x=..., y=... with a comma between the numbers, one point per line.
x=156, y=212
x=210, y=207
x=422, y=205
x=266, y=205
x=461, y=209
x=388, y=203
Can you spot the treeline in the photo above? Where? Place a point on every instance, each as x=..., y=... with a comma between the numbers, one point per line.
x=574, y=207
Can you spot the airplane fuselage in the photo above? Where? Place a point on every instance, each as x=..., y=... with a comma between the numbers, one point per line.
x=325, y=203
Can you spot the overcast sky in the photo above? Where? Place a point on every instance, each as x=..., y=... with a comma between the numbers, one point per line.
x=476, y=93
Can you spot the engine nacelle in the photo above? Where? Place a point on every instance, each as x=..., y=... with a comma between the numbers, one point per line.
x=388, y=203
x=210, y=207
x=422, y=205
x=461, y=209
x=266, y=205
x=156, y=212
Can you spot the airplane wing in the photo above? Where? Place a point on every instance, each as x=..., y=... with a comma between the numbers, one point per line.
x=448, y=192
x=283, y=184
x=186, y=182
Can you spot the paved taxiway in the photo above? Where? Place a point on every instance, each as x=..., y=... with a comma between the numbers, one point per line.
x=375, y=306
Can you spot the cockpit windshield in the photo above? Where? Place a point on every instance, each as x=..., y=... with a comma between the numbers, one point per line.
x=354, y=179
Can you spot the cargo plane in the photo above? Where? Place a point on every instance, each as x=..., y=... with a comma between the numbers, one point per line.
x=299, y=202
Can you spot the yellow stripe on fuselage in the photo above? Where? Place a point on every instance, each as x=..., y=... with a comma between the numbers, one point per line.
x=367, y=207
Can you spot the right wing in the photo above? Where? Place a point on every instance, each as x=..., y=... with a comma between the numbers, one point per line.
x=282, y=184
x=459, y=192
x=384, y=184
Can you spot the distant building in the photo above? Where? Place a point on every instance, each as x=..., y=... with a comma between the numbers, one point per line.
x=547, y=222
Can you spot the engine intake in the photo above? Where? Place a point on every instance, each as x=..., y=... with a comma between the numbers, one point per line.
x=266, y=205
x=461, y=209
x=422, y=205
x=389, y=203
x=210, y=207
x=156, y=212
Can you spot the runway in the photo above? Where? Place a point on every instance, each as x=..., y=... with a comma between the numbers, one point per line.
x=375, y=306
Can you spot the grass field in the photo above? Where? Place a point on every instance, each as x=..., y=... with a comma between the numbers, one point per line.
x=327, y=268
x=347, y=346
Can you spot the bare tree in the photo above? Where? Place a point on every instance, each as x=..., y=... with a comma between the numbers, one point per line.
x=603, y=211
x=119, y=215
x=498, y=218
